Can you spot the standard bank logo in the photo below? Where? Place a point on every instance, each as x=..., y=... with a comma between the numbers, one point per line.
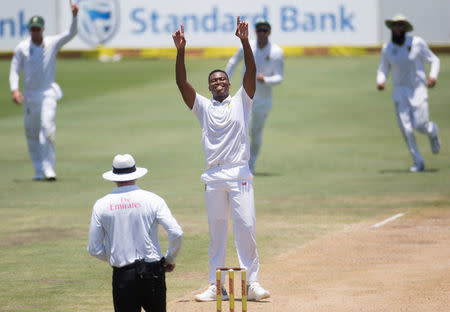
x=98, y=20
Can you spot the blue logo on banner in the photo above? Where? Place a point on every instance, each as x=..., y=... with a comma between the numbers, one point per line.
x=98, y=20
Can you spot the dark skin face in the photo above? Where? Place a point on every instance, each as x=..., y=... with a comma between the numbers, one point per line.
x=262, y=35
x=398, y=29
x=219, y=86
x=36, y=35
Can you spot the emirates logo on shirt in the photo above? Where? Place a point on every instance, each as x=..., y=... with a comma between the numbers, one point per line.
x=124, y=203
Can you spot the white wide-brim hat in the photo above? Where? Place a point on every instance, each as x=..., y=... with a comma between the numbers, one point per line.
x=399, y=18
x=124, y=169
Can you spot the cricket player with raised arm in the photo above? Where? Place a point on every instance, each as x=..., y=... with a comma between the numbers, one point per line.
x=36, y=57
x=405, y=56
x=269, y=72
x=228, y=180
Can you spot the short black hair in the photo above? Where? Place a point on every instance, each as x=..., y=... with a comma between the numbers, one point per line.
x=220, y=71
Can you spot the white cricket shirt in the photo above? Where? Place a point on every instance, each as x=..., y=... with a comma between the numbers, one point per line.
x=124, y=227
x=269, y=62
x=38, y=62
x=407, y=65
x=225, y=139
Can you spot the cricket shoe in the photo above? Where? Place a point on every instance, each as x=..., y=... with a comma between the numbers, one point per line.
x=50, y=174
x=417, y=168
x=211, y=294
x=255, y=292
x=435, y=144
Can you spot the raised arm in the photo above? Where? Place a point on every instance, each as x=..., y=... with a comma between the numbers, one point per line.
x=249, y=82
x=187, y=91
x=66, y=36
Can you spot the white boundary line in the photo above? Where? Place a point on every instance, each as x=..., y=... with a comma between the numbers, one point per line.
x=379, y=224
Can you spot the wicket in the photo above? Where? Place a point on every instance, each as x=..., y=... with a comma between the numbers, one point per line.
x=231, y=288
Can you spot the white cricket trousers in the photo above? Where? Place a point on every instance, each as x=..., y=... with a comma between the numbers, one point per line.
x=260, y=111
x=220, y=198
x=39, y=120
x=410, y=117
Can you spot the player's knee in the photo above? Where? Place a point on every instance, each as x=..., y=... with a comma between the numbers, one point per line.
x=32, y=135
x=49, y=132
x=408, y=129
x=245, y=224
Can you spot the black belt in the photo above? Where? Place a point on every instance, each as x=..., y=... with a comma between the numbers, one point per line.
x=138, y=262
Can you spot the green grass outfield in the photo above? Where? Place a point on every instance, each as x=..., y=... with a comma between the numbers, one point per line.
x=332, y=156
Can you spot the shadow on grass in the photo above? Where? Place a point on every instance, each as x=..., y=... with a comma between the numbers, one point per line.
x=267, y=174
x=31, y=181
x=384, y=171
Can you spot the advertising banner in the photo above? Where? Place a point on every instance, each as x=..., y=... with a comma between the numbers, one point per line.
x=14, y=18
x=142, y=23
x=208, y=23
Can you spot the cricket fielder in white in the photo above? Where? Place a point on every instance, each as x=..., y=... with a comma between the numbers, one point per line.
x=36, y=56
x=228, y=180
x=269, y=72
x=405, y=56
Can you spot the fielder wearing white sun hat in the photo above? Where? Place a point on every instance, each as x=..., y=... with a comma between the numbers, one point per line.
x=399, y=18
x=124, y=169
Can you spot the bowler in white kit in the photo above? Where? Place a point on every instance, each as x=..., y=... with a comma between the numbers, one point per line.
x=269, y=72
x=228, y=180
x=405, y=57
x=36, y=57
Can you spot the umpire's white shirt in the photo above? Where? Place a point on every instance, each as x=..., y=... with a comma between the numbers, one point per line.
x=39, y=64
x=408, y=69
x=124, y=227
x=225, y=140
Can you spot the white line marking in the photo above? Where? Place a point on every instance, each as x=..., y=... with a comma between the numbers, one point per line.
x=388, y=220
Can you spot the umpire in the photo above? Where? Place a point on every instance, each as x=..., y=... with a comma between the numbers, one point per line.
x=124, y=232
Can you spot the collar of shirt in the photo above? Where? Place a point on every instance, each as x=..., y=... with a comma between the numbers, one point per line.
x=126, y=188
x=265, y=48
x=224, y=102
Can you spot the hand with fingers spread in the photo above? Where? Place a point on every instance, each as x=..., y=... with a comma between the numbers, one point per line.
x=179, y=39
x=241, y=29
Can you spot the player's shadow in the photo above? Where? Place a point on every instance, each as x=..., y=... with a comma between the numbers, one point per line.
x=266, y=174
x=30, y=181
x=430, y=170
